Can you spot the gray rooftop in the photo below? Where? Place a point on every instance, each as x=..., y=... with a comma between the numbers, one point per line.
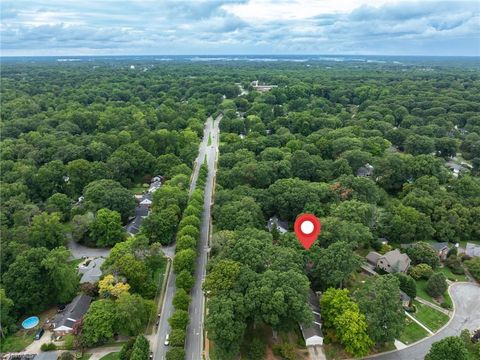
x=47, y=355
x=91, y=272
x=472, y=250
x=373, y=257
x=396, y=258
x=440, y=245
x=73, y=311
x=315, y=329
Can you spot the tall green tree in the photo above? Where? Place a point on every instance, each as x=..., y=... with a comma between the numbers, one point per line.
x=47, y=231
x=332, y=266
x=379, y=300
x=111, y=195
x=436, y=285
x=99, y=322
x=132, y=313
x=106, y=229
x=451, y=347
x=141, y=349
x=7, y=315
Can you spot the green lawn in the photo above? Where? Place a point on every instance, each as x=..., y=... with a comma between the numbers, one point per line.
x=111, y=356
x=209, y=140
x=16, y=342
x=421, y=284
x=139, y=188
x=74, y=263
x=429, y=317
x=449, y=275
x=85, y=356
x=412, y=332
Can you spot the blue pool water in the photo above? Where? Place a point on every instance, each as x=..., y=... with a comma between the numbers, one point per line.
x=30, y=322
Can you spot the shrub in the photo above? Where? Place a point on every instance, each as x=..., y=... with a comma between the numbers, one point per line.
x=184, y=260
x=181, y=300
x=65, y=356
x=176, y=353
x=436, y=285
x=455, y=264
x=177, y=337
x=126, y=350
x=48, y=347
x=192, y=210
x=190, y=231
x=421, y=271
x=189, y=220
x=184, y=281
x=68, y=341
x=179, y=319
x=385, y=248
x=474, y=267
x=186, y=242
x=256, y=350
x=445, y=305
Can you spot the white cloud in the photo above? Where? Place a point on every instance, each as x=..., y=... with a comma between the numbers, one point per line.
x=240, y=26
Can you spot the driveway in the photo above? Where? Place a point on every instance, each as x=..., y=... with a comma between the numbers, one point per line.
x=466, y=316
x=80, y=251
x=34, y=347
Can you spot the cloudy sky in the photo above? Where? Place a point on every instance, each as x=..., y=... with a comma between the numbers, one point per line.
x=104, y=27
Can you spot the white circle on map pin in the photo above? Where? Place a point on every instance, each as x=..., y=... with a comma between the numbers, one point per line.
x=307, y=227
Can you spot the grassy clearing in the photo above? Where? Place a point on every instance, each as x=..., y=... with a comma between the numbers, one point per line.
x=429, y=317
x=16, y=342
x=412, y=332
x=451, y=276
x=209, y=139
x=111, y=356
x=421, y=292
x=84, y=357
x=139, y=188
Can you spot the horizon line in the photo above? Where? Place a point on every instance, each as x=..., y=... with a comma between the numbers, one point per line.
x=246, y=54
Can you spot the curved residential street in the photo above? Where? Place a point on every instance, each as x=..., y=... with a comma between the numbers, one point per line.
x=467, y=316
x=194, y=342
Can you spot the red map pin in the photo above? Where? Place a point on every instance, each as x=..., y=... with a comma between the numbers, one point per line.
x=307, y=228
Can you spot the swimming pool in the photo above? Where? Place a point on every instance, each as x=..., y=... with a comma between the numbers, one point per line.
x=30, y=322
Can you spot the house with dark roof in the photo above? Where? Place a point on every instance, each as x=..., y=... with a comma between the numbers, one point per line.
x=70, y=318
x=442, y=249
x=143, y=209
x=391, y=262
x=282, y=226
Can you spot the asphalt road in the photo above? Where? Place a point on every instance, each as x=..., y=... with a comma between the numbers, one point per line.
x=80, y=251
x=158, y=345
x=194, y=339
x=467, y=316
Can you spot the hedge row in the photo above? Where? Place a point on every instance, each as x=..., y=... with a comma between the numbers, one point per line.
x=188, y=235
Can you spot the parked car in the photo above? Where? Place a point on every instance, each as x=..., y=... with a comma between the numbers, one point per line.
x=151, y=355
x=39, y=334
x=167, y=340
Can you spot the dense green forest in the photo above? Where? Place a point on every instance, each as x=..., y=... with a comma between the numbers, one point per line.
x=376, y=151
